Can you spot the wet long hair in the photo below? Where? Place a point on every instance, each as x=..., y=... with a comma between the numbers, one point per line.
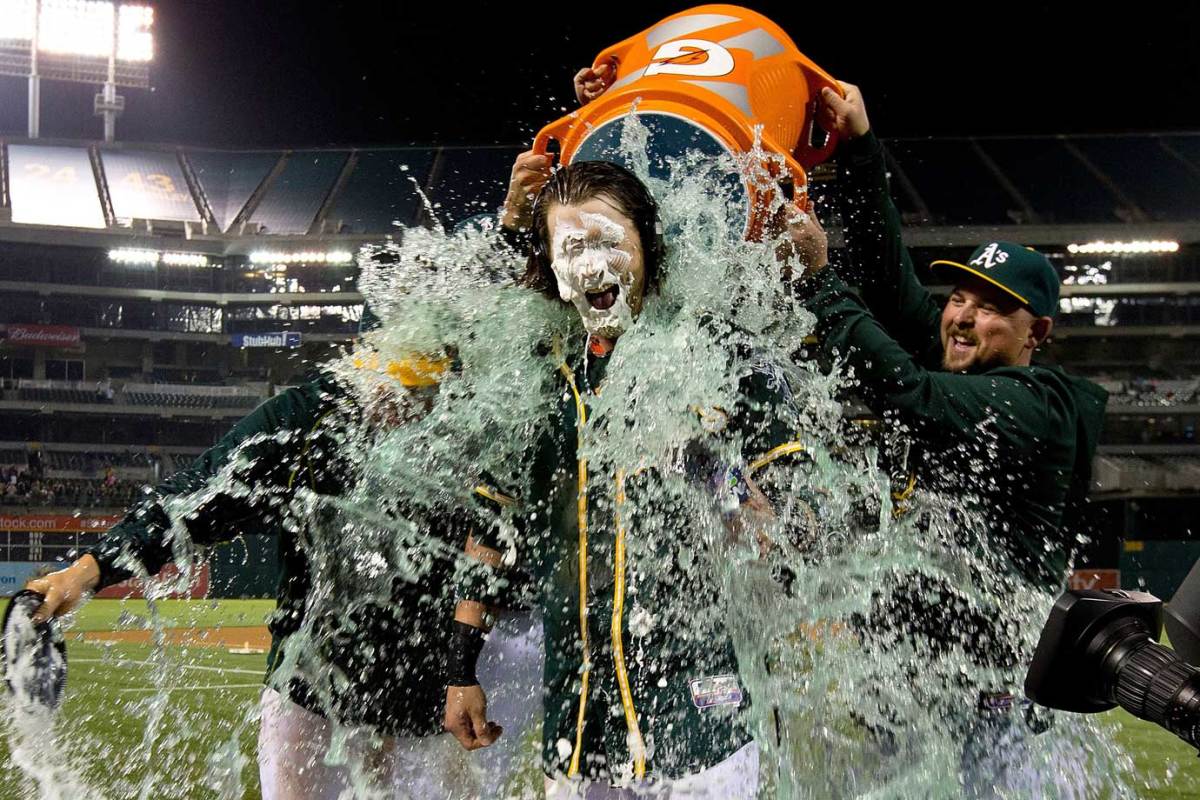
x=577, y=183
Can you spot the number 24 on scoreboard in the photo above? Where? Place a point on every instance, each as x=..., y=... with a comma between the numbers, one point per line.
x=136, y=180
x=46, y=172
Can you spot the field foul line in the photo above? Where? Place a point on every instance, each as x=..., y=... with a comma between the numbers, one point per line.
x=192, y=688
x=123, y=663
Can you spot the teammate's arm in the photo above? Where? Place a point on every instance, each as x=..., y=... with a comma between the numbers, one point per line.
x=530, y=172
x=142, y=534
x=1013, y=403
x=466, y=702
x=883, y=269
x=753, y=520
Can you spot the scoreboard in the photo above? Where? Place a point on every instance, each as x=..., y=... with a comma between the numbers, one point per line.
x=42, y=546
x=148, y=184
x=53, y=186
x=32, y=542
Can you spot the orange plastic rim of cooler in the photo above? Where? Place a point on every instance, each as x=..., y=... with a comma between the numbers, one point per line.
x=724, y=68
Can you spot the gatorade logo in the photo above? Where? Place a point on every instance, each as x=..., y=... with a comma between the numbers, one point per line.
x=693, y=57
x=990, y=257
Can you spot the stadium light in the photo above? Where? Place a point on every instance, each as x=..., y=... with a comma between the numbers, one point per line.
x=1095, y=276
x=134, y=257
x=82, y=41
x=333, y=257
x=1117, y=248
x=185, y=260
x=80, y=28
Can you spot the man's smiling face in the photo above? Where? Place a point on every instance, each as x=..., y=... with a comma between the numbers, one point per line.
x=984, y=327
x=598, y=263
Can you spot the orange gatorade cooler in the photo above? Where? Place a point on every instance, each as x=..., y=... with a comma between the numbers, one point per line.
x=703, y=80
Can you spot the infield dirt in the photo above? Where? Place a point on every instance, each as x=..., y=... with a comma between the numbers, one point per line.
x=254, y=636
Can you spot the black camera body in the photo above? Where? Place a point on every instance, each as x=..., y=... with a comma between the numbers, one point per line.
x=1061, y=675
x=1100, y=649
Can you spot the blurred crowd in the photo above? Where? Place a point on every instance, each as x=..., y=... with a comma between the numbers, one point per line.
x=25, y=487
x=1139, y=391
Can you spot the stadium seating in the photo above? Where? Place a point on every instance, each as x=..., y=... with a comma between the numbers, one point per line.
x=182, y=395
x=1005, y=180
x=171, y=395
x=1145, y=474
x=91, y=461
x=62, y=392
x=13, y=457
x=1151, y=392
x=84, y=476
x=1049, y=179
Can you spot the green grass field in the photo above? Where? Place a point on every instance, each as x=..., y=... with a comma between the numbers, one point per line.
x=202, y=730
x=205, y=719
x=106, y=615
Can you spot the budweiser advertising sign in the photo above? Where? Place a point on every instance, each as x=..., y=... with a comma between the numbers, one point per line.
x=44, y=335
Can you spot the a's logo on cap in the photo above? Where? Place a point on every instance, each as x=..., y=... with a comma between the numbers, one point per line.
x=990, y=256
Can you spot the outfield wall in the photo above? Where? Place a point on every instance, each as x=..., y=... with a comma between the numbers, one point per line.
x=15, y=574
x=246, y=567
x=1157, y=566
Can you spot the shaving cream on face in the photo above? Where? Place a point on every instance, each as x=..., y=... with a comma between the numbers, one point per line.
x=588, y=258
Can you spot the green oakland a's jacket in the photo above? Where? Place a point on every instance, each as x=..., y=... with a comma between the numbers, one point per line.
x=1016, y=443
x=640, y=674
x=379, y=663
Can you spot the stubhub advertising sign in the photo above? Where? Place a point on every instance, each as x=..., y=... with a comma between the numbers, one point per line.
x=266, y=339
x=15, y=574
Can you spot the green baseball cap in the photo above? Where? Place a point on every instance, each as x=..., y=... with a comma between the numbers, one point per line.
x=1020, y=271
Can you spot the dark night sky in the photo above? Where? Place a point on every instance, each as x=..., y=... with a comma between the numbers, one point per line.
x=270, y=73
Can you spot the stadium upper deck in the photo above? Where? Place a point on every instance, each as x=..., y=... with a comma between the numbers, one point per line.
x=1094, y=187
x=201, y=245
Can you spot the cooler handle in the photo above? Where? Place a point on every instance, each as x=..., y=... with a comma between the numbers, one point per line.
x=818, y=80
x=615, y=55
x=555, y=130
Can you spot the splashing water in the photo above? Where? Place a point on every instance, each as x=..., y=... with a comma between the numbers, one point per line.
x=854, y=694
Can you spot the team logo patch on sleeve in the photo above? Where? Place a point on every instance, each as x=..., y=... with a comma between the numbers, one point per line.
x=718, y=690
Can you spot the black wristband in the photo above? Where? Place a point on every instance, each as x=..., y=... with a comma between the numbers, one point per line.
x=466, y=642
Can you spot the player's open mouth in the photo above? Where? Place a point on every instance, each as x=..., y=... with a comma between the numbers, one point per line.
x=603, y=299
x=960, y=343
